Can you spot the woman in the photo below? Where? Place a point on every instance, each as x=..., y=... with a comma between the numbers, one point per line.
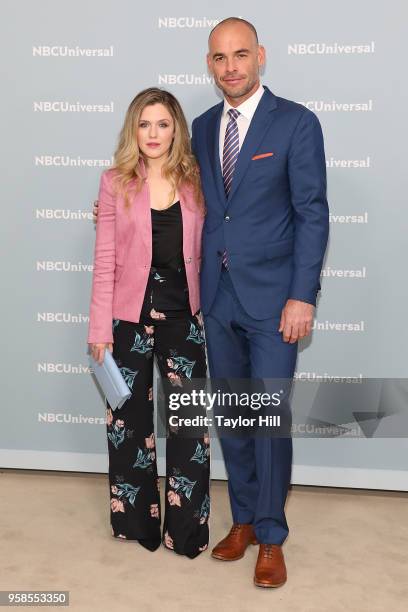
x=145, y=304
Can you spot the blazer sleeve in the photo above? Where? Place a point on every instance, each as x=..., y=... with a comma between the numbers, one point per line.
x=307, y=179
x=100, y=318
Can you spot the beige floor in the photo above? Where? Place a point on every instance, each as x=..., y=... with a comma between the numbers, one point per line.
x=347, y=550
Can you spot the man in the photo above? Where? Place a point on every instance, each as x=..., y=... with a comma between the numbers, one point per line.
x=263, y=174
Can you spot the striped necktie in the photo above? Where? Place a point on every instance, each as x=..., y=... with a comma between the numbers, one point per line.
x=229, y=157
x=231, y=149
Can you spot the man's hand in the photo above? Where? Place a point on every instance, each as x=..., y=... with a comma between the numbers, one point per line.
x=296, y=320
x=95, y=210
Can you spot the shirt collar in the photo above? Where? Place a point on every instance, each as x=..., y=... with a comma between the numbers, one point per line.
x=248, y=107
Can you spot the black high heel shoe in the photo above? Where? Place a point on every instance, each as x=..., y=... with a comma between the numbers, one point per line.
x=151, y=544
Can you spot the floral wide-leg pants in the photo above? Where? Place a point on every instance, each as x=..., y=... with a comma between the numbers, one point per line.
x=179, y=348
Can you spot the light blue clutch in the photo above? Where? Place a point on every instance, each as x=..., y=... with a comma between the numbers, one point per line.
x=110, y=380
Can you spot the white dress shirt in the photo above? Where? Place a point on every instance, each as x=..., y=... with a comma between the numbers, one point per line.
x=247, y=110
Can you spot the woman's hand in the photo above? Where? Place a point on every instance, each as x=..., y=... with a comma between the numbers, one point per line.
x=95, y=211
x=98, y=350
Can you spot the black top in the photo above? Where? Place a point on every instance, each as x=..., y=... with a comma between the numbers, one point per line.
x=167, y=229
x=167, y=289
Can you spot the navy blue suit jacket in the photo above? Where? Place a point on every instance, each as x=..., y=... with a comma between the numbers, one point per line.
x=275, y=222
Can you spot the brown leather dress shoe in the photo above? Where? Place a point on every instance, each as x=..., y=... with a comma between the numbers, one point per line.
x=233, y=547
x=270, y=570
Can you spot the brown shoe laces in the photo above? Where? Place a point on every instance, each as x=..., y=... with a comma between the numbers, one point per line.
x=269, y=550
x=235, y=529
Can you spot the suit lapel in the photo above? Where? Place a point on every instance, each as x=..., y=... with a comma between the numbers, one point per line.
x=213, y=135
x=256, y=132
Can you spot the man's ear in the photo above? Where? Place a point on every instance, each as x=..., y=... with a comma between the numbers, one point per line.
x=261, y=55
x=209, y=63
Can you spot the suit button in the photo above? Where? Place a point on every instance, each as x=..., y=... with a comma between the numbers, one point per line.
x=219, y=253
x=227, y=218
x=188, y=260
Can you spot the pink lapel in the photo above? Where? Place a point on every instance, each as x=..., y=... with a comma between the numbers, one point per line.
x=141, y=211
x=188, y=221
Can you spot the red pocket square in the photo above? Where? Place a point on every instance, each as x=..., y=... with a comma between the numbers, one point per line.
x=261, y=155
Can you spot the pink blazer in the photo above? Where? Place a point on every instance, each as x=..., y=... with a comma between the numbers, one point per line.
x=123, y=255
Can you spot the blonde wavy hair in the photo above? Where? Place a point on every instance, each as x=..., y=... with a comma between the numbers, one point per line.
x=181, y=167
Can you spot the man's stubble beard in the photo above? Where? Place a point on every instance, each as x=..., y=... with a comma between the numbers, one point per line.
x=237, y=93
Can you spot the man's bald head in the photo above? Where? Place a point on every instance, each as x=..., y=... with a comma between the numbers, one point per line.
x=234, y=21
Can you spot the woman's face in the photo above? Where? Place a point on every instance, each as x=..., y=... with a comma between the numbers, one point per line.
x=155, y=131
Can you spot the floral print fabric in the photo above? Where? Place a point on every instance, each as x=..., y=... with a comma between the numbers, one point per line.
x=178, y=345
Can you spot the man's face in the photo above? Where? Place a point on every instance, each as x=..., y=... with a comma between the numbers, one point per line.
x=234, y=59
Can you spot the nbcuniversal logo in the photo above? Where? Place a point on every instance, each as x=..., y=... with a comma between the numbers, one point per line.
x=63, y=368
x=335, y=48
x=325, y=377
x=358, y=326
x=329, y=272
x=187, y=22
x=70, y=419
x=332, y=106
x=68, y=161
x=62, y=266
x=63, y=106
x=185, y=79
x=65, y=51
x=63, y=214
x=61, y=317
x=362, y=218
